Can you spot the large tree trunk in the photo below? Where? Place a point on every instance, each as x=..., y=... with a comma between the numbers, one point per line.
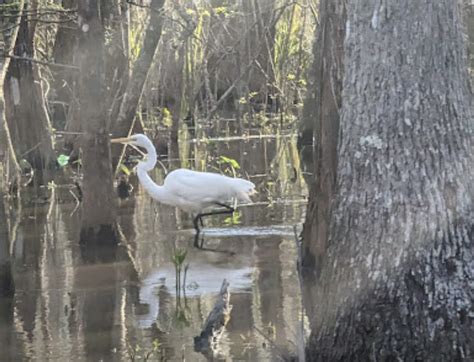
x=322, y=105
x=99, y=199
x=395, y=280
x=11, y=168
x=133, y=92
x=27, y=116
x=114, y=18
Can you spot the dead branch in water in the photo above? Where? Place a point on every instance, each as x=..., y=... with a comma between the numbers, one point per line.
x=207, y=341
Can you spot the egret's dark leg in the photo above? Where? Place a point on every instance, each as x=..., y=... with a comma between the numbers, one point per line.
x=198, y=218
x=196, y=221
x=228, y=210
x=196, y=241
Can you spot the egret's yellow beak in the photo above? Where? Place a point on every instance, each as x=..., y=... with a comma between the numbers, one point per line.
x=253, y=192
x=121, y=140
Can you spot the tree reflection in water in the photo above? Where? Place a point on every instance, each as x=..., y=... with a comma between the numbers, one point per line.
x=94, y=302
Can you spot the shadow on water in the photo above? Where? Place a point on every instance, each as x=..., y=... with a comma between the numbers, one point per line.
x=118, y=302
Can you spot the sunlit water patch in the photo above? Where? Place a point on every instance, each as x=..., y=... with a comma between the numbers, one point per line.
x=286, y=230
x=202, y=280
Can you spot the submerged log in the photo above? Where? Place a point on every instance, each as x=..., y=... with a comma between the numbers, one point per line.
x=207, y=342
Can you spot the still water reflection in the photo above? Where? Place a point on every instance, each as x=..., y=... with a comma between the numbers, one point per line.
x=112, y=304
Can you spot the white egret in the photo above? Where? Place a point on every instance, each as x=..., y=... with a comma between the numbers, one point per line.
x=191, y=191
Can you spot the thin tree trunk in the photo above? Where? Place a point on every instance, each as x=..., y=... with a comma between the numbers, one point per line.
x=176, y=106
x=260, y=48
x=396, y=278
x=117, y=66
x=62, y=85
x=99, y=199
x=132, y=95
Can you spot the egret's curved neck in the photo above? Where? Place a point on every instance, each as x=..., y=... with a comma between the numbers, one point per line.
x=149, y=163
x=156, y=191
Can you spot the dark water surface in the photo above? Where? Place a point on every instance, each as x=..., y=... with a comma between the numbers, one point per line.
x=115, y=303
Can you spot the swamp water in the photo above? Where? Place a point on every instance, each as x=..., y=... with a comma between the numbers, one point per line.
x=118, y=303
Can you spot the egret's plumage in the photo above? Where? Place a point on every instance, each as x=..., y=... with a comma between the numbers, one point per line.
x=191, y=191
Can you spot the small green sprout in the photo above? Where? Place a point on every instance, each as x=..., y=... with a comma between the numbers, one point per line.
x=63, y=160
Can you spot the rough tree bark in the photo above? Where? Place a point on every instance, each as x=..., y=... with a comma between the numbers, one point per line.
x=63, y=53
x=322, y=106
x=12, y=169
x=397, y=278
x=26, y=112
x=133, y=92
x=114, y=18
x=469, y=25
x=99, y=199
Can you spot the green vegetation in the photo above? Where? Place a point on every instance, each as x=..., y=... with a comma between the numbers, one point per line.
x=152, y=353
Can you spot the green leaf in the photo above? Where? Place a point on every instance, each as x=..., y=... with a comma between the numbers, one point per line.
x=63, y=160
x=166, y=117
x=166, y=112
x=156, y=344
x=179, y=257
x=234, y=219
x=302, y=82
x=220, y=10
x=125, y=169
x=230, y=161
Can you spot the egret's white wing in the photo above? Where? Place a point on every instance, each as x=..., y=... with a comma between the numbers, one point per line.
x=199, y=187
